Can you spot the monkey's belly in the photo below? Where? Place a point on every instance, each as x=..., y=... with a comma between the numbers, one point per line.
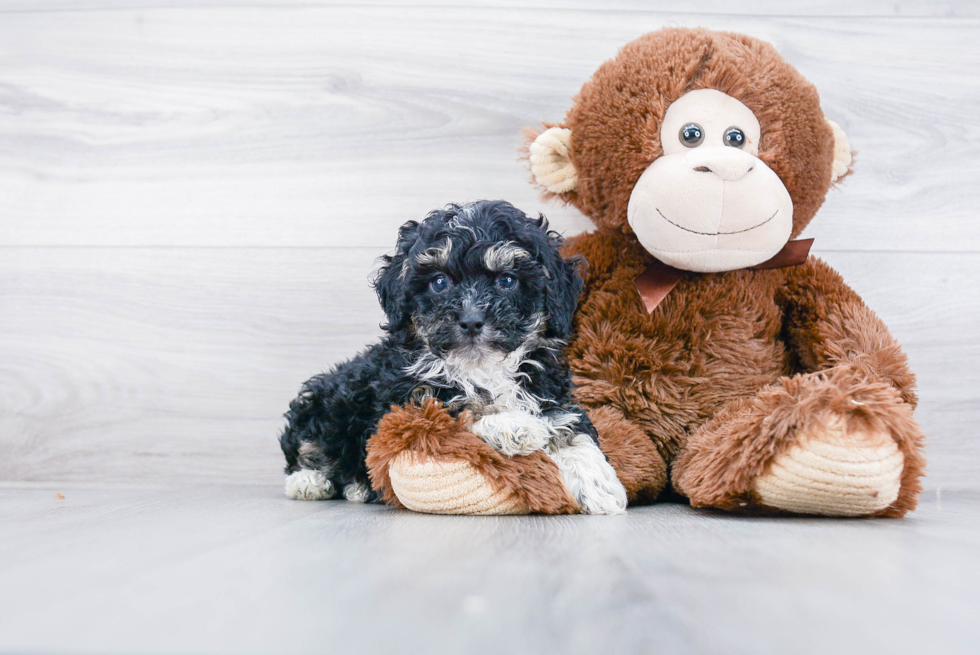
x=713, y=340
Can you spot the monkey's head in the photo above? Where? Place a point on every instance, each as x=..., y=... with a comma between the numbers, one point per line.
x=708, y=146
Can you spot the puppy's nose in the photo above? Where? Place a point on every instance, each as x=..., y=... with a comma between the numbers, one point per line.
x=471, y=323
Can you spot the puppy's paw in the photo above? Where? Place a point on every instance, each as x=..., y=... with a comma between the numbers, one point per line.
x=589, y=476
x=358, y=492
x=307, y=484
x=513, y=433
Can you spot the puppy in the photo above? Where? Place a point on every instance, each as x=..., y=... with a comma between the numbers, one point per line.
x=478, y=303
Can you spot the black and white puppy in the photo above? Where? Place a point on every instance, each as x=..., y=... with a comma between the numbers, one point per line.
x=478, y=302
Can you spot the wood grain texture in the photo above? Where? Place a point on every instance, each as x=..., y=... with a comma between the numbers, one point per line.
x=331, y=125
x=244, y=570
x=175, y=364
x=192, y=196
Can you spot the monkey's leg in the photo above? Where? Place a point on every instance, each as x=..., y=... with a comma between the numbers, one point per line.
x=837, y=443
x=425, y=459
x=633, y=456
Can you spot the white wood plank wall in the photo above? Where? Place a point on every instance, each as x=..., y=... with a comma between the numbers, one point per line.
x=192, y=196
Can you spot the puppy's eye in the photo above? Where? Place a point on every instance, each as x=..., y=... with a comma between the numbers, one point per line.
x=734, y=137
x=506, y=281
x=439, y=283
x=691, y=135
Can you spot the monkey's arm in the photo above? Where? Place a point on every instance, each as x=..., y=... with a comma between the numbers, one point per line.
x=826, y=324
x=835, y=438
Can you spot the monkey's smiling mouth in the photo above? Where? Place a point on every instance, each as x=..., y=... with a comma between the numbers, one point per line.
x=715, y=234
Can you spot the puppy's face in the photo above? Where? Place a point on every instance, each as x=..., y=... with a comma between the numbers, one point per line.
x=482, y=298
x=476, y=280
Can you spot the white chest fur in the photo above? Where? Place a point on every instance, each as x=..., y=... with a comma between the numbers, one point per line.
x=494, y=376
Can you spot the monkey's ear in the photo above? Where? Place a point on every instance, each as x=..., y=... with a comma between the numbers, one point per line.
x=551, y=162
x=842, y=153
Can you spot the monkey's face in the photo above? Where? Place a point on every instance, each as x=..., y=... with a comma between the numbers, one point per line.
x=709, y=203
x=707, y=146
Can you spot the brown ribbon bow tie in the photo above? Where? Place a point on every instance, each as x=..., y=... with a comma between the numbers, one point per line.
x=659, y=279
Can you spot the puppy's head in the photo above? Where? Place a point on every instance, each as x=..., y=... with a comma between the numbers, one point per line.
x=477, y=279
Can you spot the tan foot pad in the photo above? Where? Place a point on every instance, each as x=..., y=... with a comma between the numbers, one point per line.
x=834, y=473
x=434, y=487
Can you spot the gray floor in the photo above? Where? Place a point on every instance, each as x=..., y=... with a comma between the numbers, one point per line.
x=241, y=569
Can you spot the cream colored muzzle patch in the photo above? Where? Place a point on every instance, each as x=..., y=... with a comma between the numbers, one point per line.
x=710, y=210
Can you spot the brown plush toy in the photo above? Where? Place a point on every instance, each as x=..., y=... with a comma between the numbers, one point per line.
x=714, y=357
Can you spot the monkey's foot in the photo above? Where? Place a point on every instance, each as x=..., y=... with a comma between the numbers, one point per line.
x=425, y=484
x=424, y=459
x=834, y=471
x=833, y=443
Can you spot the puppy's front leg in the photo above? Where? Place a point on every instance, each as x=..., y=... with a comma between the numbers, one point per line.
x=588, y=475
x=512, y=432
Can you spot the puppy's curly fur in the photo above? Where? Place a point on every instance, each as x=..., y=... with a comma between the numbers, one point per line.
x=478, y=301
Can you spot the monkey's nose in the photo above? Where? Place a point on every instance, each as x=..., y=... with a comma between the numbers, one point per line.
x=729, y=164
x=471, y=323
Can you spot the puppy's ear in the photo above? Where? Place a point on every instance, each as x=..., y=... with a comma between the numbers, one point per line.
x=564, y=286
x=389, y=282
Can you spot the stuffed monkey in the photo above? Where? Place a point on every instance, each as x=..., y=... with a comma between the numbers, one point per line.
x=717, y=360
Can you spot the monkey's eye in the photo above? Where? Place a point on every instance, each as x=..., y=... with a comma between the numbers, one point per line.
x=691, y=135
x=506, y=281
x=439, y=283
x=734, y=137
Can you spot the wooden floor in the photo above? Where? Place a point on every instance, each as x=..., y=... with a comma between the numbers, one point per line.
x=244, y=570
x=192, y=198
